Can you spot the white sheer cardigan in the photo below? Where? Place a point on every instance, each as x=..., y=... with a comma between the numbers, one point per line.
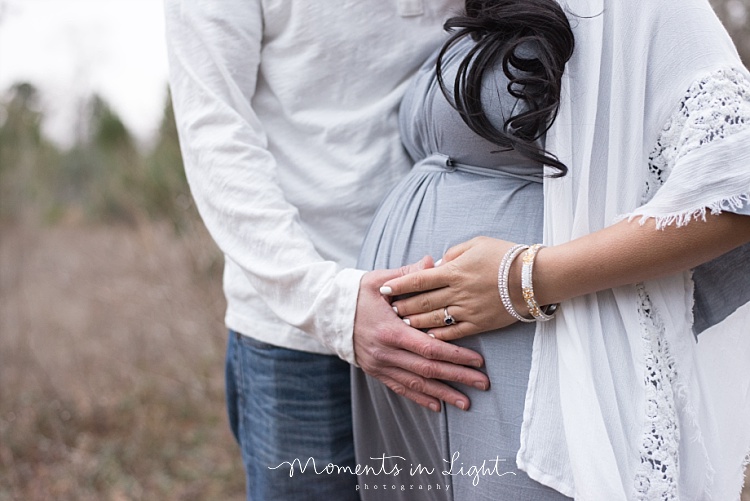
x=654, y=123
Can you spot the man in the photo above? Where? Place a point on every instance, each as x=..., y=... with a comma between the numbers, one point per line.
x=287, y=114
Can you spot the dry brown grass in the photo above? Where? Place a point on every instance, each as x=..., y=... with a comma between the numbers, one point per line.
x=111, y=362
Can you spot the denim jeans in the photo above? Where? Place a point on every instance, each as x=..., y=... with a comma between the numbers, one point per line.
x=286, y=405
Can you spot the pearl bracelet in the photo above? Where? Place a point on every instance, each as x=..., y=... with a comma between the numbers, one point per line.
x=503, y=273
x=541, y=314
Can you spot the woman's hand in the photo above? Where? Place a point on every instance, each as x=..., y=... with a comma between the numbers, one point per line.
x=465, y=283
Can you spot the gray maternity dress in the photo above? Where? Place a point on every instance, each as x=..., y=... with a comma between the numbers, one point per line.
x=460, y=187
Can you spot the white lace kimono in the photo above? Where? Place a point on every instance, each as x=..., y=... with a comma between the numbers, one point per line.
x=655, y=123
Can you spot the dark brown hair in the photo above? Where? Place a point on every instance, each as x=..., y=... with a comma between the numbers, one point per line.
x=499, y=28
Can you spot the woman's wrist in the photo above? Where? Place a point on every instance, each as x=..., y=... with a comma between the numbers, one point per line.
x=553, y=280
x=625, y=253
x=545, y=282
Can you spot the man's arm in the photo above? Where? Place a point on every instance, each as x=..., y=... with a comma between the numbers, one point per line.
x=214, y=53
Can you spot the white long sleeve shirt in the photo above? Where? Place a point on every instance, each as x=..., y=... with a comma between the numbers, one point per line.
x=287, y=115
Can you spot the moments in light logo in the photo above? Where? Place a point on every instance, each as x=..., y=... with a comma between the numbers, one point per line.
x=410, y=476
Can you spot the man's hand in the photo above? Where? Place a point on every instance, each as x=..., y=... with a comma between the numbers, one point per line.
x=409, y=361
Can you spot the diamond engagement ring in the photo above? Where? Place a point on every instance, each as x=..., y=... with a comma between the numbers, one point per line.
x=448, y=319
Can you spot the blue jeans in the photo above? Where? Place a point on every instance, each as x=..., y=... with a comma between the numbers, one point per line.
x=286, y=405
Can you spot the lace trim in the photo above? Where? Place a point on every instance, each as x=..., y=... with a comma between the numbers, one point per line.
x=658, y=472
x=714, y=107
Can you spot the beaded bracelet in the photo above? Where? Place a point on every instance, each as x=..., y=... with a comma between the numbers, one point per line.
x=541, y=314
x=503, y=273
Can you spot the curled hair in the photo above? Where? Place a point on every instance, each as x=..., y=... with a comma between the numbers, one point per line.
x=500, y=28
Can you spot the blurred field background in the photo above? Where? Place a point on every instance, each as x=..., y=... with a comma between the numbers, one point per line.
x=111, y=319
x=111, y=311
x=111, y=331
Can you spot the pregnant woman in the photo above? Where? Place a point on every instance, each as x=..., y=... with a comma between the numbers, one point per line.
x=604, y=396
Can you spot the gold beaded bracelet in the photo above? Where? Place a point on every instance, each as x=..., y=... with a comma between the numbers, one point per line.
x=541, y=314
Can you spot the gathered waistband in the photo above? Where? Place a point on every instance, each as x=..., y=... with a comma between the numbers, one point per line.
x=439, y=162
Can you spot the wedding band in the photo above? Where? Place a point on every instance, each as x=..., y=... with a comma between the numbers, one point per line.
x=448, y=320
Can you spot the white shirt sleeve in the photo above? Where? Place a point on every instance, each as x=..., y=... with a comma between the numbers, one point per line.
x=214, y=55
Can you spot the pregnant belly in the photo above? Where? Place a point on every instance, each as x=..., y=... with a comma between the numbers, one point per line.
x=437, y=206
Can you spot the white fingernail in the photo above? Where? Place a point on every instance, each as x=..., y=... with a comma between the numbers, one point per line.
x=395, y=309
x=438, y=262
x=431, y=335
x=386, y=291
x=406, y=321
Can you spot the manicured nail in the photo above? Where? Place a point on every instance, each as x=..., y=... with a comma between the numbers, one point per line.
x=461, y=405
x=386, y=291
x=438, y=262
x=435, y=407
x=431, y=335
x=395, y=309
x=406, y=321
x=481, y=385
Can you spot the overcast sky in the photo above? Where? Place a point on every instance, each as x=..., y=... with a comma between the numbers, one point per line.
x=69, y=48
